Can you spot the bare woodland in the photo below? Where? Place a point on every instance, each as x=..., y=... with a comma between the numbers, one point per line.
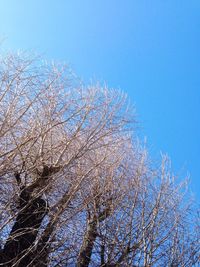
x=77, y=188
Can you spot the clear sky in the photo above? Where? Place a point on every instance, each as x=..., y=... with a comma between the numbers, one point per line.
x=148, y=48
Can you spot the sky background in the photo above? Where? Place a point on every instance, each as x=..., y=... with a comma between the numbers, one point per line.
x=148, y=48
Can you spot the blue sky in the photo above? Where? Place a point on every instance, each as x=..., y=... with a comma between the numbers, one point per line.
x=150, y=49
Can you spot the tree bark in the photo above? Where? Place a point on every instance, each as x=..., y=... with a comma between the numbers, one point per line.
x=87, y=246
x=17, y=250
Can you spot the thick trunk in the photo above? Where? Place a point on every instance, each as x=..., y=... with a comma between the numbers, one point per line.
x=18, y=249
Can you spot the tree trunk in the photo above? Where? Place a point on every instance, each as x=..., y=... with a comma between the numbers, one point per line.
x=87, y=246
x=18, y=250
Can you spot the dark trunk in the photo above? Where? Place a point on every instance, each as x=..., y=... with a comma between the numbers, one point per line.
x=18, y=249
x=87, y=246
x=91, y=235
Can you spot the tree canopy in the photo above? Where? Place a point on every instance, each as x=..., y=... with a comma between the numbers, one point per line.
x=77, y=188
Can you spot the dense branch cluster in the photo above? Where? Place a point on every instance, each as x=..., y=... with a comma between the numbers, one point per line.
x=76, y=187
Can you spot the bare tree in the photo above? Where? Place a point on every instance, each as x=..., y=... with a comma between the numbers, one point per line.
x=76, y=188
